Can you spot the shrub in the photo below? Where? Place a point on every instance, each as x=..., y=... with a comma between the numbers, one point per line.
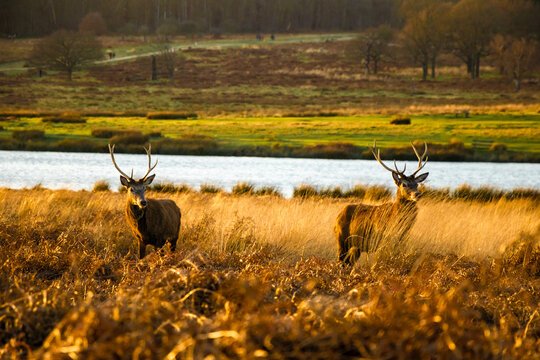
x=2, y=128
x=358, y=191
x=305, y=191
x=336, y=150
x=210, y=189
x=243, y=189
x=101, y=185
x=105, y=133
x=456, y=144
x=170, y=188
x=155, y=134
x=377, y=193
x=268, y=190
x=170, y=115
x=498, y=147
x=25, y=135
x=64, y=118
x=78, y=145
x=400, y=120
x=130, y=139
x=189, y=144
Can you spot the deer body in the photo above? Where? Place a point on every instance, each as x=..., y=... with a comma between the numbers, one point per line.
x=156, y=224
x=153, y=221
x=361, y=227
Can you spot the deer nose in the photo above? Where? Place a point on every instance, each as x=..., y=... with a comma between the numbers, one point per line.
x=143, y=203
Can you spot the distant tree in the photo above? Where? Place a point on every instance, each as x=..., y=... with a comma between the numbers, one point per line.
x=425, y=31
x=519, y=57
x=474, y=23
x=93, y=23
x=144, y=31
x=169, y=57
x=371, y=45
x=66, y=51
x=167, y=29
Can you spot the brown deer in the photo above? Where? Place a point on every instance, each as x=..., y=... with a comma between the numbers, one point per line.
x=153, y=221
x=359, y=228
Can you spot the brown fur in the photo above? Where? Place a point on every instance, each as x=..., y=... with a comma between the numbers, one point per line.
x=360, y=228
x=157, y=223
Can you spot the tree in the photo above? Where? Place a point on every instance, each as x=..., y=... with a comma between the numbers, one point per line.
x=474, y=23
x=169, y=56
x=425, y=32
x=371, y=46
x=66, y=51
x=93, y=23
x=519, y=58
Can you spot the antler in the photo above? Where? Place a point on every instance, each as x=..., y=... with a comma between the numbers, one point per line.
x=150, y=167
x=378, y=158
x=421, y=162
x=111, y=151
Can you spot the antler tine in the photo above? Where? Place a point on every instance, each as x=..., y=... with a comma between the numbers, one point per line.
x=378, y=156
x=111, y=151
x=150, y=167
x=421, y=162
x=400, y=172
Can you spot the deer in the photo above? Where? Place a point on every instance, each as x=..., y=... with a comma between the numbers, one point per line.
x=152, y=221
x=360, y=227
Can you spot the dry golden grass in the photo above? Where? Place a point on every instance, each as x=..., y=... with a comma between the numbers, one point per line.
x=256, y=277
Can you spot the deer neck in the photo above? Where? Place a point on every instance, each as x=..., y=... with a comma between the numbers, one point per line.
x=403, y=199
x=134, y=211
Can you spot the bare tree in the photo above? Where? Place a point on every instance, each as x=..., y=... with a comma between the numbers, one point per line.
x=66, y=51
x=169, y=56
x=425, y=32
x=473, y=26
x=371, y=46
x=519, y=58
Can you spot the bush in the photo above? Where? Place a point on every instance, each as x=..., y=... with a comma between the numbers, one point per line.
x=358, y=191
x=129, y=139
x=170, y=188
x=377, y=193
x=336, y=150
x=498, y=147
x=155, y=134
x=268, y=190
x=456, y=144
x=188, y=144
x=105, y=133
x=64, y=118
x=79, y=145
x=400, y=120
x=243, y=189
x=210, y=189
x=101, y=185
x=25, y=135
x=170, y=115
x=305, y=191
x=2, y=128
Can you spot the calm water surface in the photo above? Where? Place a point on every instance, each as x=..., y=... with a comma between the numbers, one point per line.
x=76, y=171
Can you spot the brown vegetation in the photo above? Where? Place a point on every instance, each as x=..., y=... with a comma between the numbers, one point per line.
x=253, y=277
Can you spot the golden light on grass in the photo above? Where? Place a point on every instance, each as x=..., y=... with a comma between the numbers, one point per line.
x=256, y=276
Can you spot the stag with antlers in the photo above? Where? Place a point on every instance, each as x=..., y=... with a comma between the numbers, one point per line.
x=360, y=228
x=153, y=221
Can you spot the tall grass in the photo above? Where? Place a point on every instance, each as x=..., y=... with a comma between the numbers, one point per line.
x=257, y=277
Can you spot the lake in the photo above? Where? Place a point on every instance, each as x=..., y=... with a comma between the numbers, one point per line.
x=76, y=171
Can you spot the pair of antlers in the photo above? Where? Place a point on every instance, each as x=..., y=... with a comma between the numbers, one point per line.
x=150, y=167
x=421, y=161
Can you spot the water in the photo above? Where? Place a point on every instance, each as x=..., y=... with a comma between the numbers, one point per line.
x=76, y=171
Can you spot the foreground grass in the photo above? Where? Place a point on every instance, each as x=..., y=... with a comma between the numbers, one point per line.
x=255, y=277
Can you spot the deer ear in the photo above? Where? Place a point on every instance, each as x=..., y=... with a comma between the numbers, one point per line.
x=397, y=180
x=149, y=179
x=421, y=177
x=124, y=181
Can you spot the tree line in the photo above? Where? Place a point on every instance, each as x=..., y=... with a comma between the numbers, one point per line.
x=471, y=30
x=41, y=17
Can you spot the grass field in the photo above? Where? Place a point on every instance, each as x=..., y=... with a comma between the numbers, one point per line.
x=255, y=277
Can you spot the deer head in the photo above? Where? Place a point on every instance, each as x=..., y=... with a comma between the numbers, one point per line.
x=407, y=185
x=135, y=188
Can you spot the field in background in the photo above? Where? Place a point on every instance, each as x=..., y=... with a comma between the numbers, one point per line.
x=255, y=277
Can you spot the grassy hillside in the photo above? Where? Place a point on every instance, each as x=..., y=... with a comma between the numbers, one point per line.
x=255, y=277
